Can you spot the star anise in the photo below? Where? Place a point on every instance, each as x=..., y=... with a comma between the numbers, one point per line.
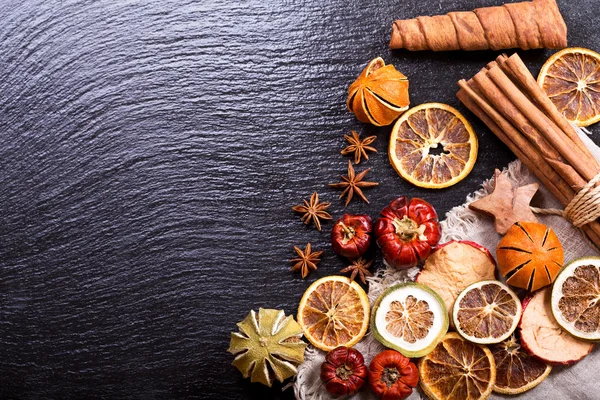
x=358, y=147
x=353, y=184
x=359, y=267
x=313, y=211
x=306, y=260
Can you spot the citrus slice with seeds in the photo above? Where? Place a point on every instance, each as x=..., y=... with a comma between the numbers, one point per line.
x=576, y=298
x=334, y=311
x=433, y=146
x=486, y=312
x=571, y=78
x=516, y=370
x=410, y=318
x=457, y=370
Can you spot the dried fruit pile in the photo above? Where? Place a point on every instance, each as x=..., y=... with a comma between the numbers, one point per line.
x=500, y=339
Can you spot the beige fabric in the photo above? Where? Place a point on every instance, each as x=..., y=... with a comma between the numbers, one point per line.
x=578, y=381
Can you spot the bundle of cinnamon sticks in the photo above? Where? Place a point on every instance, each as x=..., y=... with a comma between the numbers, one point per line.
x=507, y=98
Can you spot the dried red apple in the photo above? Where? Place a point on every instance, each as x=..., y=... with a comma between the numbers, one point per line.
x=542, y=337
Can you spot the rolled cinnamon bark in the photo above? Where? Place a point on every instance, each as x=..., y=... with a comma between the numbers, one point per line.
x=503, y=97
x=527, y=25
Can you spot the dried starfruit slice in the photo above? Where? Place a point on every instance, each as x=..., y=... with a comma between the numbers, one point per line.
x=516, y=370
x=410, y=318
x=575, y=296
x=268, y=346
x=486, y=312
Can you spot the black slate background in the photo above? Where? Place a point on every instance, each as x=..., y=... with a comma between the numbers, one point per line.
x=149, y=156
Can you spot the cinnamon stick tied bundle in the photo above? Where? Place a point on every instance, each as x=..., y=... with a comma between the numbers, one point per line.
x=528, y=25
x=506, y=97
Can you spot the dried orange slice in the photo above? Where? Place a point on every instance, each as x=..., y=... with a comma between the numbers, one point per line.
x=433, y=146
x=457, y=370
x=486, y=312
x=516, y=370
x=334, y=311
x=571, y=78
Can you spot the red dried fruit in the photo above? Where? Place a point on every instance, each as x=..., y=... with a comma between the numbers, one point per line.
x=351, y=235
x=392, y=376
x=344, y=371
x=543, y=337
x=407, y=231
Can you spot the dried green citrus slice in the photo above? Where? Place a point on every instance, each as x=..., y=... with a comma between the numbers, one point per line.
x=410, y=318
x=486, y=312
x=576, y=298
x=516, y=370
x=457, y=370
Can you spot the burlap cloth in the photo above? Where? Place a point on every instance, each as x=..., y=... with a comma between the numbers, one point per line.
x=579, y=381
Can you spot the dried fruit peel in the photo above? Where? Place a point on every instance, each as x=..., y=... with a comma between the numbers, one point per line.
x=455, y=265
x=267, y=346
x=543, y=337
x=445, y=371
x=486, y=312
x=410, y=318
x=575, y=297
x=379, y=95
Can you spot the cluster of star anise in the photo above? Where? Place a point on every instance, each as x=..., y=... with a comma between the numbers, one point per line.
x=313, y=211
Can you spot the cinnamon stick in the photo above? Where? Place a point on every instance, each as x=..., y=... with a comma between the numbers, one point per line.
x=524, y=77
x=528, y=25
x=523, y=150
x=501, y=95
x=546, y=127
x=501, y=102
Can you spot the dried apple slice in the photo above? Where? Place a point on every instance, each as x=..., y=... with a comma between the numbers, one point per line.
x=455, y=265
x=543, y=337
x=410, y=318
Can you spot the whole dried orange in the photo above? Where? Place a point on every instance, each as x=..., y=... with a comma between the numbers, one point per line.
x=433, y=146
x=530, y=255
x=379, y=95
x=571, y=78
x=334, y=311
x=457, y=370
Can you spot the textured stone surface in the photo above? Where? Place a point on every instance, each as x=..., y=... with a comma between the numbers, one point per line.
x=149, y=156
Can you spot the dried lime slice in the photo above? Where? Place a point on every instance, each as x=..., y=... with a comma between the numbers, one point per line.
x=410, y=318
x=576, y=298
